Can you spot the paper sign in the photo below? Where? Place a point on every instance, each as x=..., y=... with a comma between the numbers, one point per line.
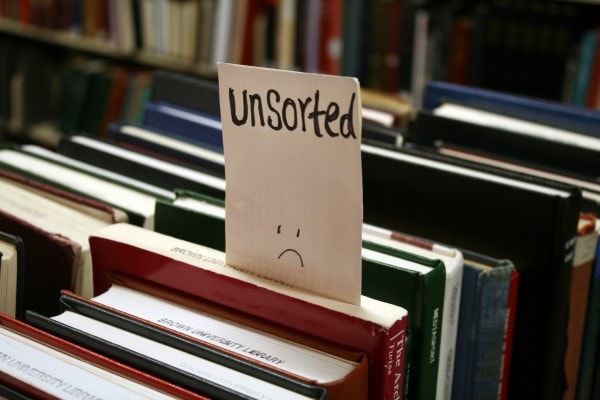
x=294, y=177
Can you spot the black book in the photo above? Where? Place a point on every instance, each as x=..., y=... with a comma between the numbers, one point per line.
x=136, y=165
x=193, y=93
x=573, y=159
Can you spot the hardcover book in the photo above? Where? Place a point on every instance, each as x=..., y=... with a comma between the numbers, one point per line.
x=178, y=151
x=36, y=364
x=12, y=270
x=373, y=327
x=452, y=259
x=193, y=126
x=528, y=108
x=482, y=326
x=207, y=373
x=418, y=284
x=558, y=150
x=249, y=345
x=138, y=205
x=153, y=171
x=53, y=226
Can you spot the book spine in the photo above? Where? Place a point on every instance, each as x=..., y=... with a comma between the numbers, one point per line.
x=491, y=327
x=433, y=313
x=464, y=343
x=395, y=379
x=560, y=270
x=509, y=329
x=591, y=341
x=578, y=300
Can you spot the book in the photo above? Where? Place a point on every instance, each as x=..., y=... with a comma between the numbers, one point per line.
x=150, y=170
x=558, y=149
x=373, y=327
x=509, y=330
x=193, y=126
x=137, y=94
x=272, y=354
x=87, y=168
x=36, y=364
x=418, y=284
x=590, y=342
x=138, y=205
x=12, y=269
x=186, y=91
x=141, y=139
x=475, y=207
x=583, y=260
x=181, y=216
x=206, y=373
x=51, y=229
x=482, y=326
x=553, y=113
x=590, y=190
x=585, y=63
x=96, y=101
x=452, y=259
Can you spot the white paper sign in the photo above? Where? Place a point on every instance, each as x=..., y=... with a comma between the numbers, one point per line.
x=294, y=177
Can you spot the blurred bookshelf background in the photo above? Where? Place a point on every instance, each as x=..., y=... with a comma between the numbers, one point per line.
x=76, y=65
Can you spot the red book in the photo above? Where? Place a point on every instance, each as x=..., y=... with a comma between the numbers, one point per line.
x=460, y=45
x=391, y=61
x=116, y=99
x=375, y=328
x=30, y=338
x=25, y=12
x=593, y=94
x=511, y=314
x=331, y=36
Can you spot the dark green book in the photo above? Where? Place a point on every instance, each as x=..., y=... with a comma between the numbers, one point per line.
x=192, y=216
x=417, y=284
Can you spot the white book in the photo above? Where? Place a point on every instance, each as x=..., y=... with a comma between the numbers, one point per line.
x=117, y=195
x=187, y=363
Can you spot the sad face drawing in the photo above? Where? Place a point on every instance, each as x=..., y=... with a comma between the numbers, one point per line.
x=290, y=252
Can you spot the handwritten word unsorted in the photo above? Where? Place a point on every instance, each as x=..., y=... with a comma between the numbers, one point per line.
x=293, y=114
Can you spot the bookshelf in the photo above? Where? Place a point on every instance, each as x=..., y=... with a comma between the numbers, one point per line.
x=527, y=47
x=98, y=47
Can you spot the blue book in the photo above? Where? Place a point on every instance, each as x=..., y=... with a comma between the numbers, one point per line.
x=481, y=327
x=182, y=123
x=585, y=64
x=560, y=115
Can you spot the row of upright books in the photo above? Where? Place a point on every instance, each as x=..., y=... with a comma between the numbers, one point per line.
x=468, y=269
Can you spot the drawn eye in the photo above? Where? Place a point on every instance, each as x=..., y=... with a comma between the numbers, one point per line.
x=298, y=233
x=278, y=229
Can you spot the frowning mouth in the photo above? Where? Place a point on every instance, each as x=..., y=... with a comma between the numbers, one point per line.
x=292, y=251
